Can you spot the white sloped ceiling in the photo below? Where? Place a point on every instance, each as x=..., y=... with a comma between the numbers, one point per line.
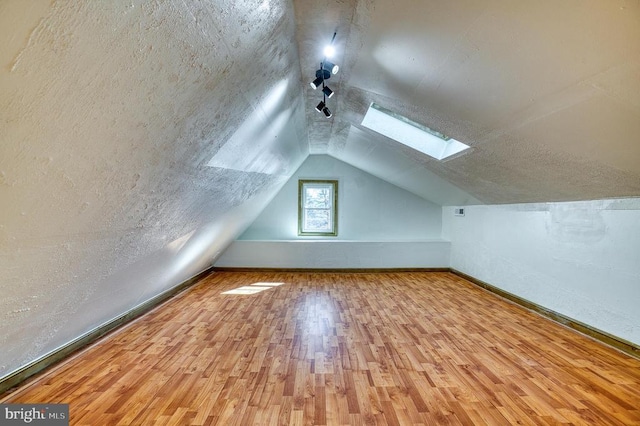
x=546, y=93
x=137, y=140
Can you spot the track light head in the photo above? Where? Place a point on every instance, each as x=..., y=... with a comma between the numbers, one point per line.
x=331, y=67
x=326, y=112
x=316, y=83
x=328, y=92
x=321, y=106
x=320, y=76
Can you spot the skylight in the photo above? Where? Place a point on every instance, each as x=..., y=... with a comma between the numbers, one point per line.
x=410, y=133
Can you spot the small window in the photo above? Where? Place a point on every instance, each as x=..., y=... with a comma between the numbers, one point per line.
x=318, y=207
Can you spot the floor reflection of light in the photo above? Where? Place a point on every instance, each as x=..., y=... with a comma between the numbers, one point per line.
x=252, y=289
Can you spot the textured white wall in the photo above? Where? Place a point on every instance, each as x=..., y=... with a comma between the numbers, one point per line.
x=580, y=259
x=335, y=254
x=135, y=144
x=369, y=209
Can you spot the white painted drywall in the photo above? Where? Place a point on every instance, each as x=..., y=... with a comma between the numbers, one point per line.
x=336, y=254
x=580, y=259
x=369, y=209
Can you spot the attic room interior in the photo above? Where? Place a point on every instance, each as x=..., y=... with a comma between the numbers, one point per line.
x=204, y=221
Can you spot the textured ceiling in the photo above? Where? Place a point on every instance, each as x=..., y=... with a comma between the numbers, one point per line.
x=546, y=93
x=139, y=138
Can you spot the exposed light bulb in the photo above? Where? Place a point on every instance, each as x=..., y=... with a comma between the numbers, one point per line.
x=329, y=51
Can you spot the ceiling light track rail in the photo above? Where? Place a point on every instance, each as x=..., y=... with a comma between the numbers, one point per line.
x=324, y=73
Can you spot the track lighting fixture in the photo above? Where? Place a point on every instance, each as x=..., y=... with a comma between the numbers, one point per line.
x=323, y=73
x=317, y=82
x=328, y=92
x=331, y=67
x=321, y=76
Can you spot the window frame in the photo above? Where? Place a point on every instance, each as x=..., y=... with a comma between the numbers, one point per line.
x=334, y=207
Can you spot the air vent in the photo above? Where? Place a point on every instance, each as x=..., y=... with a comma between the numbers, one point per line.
x=458, y=212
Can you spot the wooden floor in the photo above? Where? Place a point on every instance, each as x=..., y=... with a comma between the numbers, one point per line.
x=343, y=349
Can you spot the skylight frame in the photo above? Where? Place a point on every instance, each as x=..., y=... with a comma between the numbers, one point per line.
x=410, y=133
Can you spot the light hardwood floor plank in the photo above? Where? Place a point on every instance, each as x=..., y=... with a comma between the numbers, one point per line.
x=399, y=348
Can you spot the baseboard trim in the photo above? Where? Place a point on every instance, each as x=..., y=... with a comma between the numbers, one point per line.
x=329, y=270
x=602, y=336
x=20, y=376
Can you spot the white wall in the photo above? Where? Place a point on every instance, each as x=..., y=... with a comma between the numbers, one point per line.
x=369, y=209
x=379, y=226
x=336, y=254
x=580, y=259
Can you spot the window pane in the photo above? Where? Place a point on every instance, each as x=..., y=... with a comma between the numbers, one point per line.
x=317, y=197
x=317, y=207
x=317, y=220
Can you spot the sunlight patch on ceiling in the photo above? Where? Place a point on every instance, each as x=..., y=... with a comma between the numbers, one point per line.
x=177, y=244
x=257, y=144
x=410, y=133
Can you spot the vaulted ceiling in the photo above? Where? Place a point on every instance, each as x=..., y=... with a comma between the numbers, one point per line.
x=139, y=138
x=546, y=93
